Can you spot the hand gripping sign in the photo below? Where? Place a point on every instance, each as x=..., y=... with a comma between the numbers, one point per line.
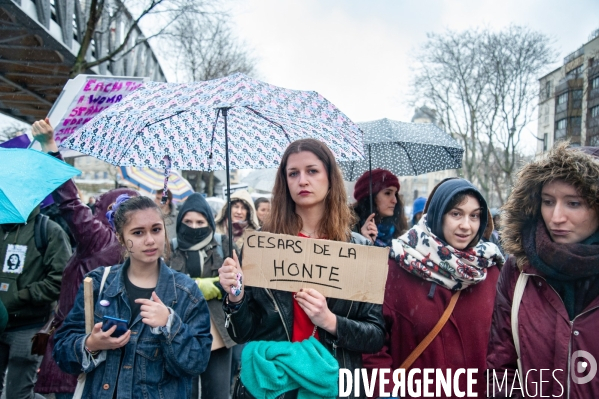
x=335, y=269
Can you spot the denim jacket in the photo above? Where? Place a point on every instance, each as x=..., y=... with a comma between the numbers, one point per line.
x=155, y=364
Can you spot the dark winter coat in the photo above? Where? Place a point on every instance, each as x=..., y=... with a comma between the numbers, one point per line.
x=548, y=338
x=410, y=315
x=97, y=246
x=212, y=263
x=267, y=315
x=29, y=296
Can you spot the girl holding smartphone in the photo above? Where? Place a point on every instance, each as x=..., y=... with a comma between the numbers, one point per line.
x=168, y=341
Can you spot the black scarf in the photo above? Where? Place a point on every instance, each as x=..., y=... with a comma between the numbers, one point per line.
x=571, y=269
x=188, y=238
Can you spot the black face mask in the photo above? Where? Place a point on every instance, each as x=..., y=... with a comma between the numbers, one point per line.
x=188, y=237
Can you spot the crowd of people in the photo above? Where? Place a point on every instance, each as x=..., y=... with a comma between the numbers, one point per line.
x=461, y=293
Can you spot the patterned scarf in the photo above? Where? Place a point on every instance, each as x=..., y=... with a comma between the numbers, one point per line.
x=423, y=254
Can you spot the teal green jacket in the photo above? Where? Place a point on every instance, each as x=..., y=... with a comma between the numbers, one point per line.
x=3, y=317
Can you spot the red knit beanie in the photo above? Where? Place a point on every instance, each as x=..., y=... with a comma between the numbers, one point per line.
x=381, y=179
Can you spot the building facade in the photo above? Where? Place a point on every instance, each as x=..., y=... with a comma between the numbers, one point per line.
x=569, y=99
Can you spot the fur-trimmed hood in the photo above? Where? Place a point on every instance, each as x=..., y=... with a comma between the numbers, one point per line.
x=246, y=198
x=577, y=166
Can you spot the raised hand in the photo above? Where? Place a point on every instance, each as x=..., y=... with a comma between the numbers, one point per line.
x=228, y=277
x=43, y=132
x=153, y=312
x=369, y=229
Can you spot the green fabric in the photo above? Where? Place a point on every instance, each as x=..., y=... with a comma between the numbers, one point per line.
x=28, y=296
x=209, y=290
x=3, y=317
x=271, y=368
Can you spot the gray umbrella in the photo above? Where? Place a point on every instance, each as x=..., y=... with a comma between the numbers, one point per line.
x=405, y=149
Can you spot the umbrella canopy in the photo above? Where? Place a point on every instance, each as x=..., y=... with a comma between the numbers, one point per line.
x=405, y=149
x=151, y=180
x=185, y=123
x=26, y=178
x=233, y=122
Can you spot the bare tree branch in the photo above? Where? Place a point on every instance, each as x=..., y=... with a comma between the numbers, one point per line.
x=105, y=17
x=484, y=87
x=207, y=49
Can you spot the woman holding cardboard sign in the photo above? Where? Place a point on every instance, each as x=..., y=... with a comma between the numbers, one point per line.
x=308, y=200
x=441, y=272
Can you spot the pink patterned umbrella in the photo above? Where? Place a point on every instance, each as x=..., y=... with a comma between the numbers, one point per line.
x=185, y=123
x=234, y=122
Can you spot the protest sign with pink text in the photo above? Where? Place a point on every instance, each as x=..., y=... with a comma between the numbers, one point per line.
x=84, y=97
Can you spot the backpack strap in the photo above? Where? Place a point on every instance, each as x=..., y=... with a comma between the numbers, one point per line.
x=518, y=293
x=104, y=277
x=40, y=234
x=219, y=241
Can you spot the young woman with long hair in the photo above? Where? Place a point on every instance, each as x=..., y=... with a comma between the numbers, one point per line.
x=309, y=200
x=388, y=220
x=167, y=340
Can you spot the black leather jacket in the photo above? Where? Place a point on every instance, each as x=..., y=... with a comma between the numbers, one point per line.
x=267, y=315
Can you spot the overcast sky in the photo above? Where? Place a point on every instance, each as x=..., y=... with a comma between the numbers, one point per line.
x=357, y=53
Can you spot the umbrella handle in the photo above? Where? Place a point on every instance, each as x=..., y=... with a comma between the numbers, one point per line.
x=229, y=221
x=167, y=172
x=370, y=179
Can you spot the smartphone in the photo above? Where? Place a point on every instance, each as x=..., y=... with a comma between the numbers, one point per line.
x=121, y=325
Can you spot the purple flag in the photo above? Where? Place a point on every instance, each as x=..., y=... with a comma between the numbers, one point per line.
x=21, y=141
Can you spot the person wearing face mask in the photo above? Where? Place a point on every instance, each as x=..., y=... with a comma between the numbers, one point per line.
x=438, y=266
x=547, y=307
x=199, y=252
x=388, y=220
x=243, y=214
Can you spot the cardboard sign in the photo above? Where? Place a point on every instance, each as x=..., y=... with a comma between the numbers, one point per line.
x=84, y=97
x=335, y=269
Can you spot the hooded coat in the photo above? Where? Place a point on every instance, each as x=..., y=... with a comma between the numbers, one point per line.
x=413, y=306
x=212, y=263
x=97, y=246
x=549, y=338
x=30, y=295
x=252, y=218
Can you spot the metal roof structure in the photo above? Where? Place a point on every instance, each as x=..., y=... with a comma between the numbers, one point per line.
x=39, y=44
